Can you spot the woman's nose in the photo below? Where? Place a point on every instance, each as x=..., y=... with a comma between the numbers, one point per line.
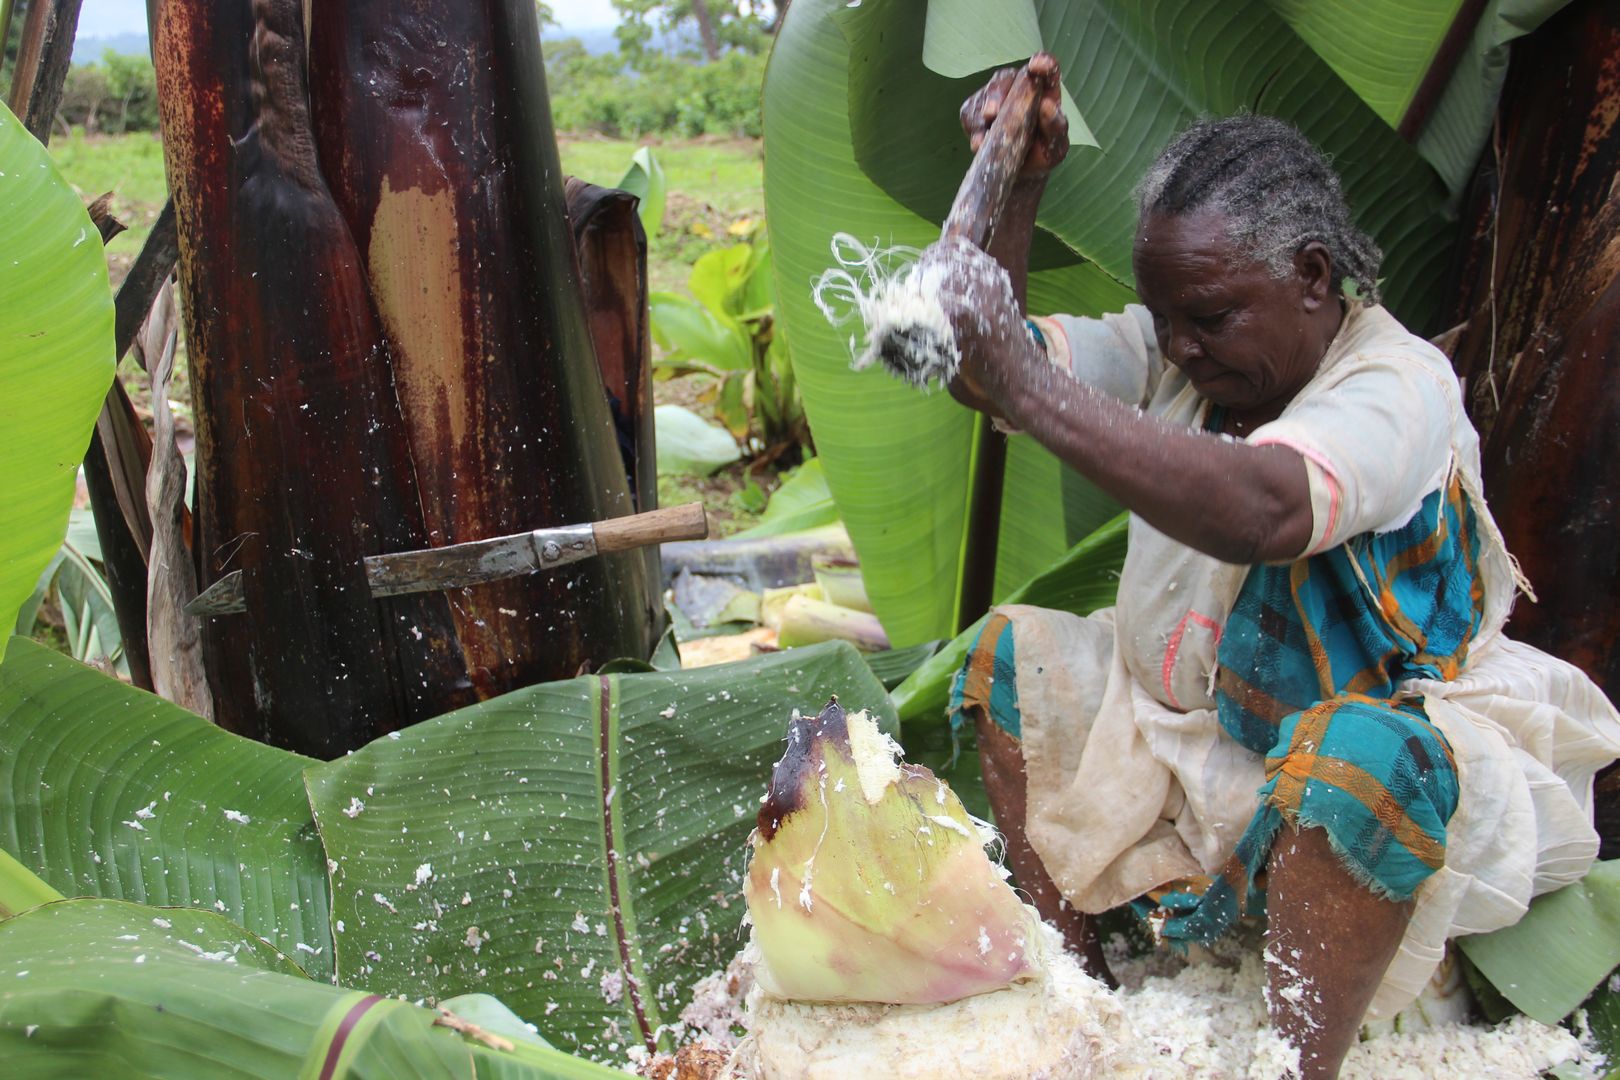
x=1184, y=346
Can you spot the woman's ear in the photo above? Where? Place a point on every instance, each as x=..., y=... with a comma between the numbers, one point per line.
x=1313, y=267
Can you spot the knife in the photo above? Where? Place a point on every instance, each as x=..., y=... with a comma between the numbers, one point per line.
x=478, y=561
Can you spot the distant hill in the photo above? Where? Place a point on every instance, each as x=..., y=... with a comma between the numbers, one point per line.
x=595, y=41
x=88, y=50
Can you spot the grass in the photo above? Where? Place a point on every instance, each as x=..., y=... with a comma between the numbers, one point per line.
x=727, y=174
x=131, y=167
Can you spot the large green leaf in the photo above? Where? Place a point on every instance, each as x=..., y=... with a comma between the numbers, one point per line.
x=896, y=460
x=1550, y=960
x=109, y=791
x=1384, y=50
x=102, y=988
x=56, y=356
x=575, y=848
x=1140, y=70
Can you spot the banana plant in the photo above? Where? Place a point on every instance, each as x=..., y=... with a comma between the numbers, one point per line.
x=728, y=330
x=862, y=137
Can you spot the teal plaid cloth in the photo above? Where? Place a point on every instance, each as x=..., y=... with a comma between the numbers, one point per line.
x=986, y=679
x=1309, y=661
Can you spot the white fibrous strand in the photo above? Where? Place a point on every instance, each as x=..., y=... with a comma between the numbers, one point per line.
x=893, y=295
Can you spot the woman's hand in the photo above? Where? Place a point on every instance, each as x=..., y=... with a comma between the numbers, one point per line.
x=976, y=295
x=1050, y=142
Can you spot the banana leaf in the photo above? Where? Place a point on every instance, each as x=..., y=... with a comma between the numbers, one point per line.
x=575, y=849
x=56, y=337
x=1386, y=50
x=645, y=180
x=106, y=988
x=860, y=116
x=112, y=792
x=1565, y=947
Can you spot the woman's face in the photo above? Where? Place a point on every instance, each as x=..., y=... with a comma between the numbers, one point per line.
x=1246, y=339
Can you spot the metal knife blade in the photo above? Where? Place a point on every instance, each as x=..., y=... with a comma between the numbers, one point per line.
x=480, y=561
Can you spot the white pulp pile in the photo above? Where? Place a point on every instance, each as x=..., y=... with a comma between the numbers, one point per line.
x=1205, y=1021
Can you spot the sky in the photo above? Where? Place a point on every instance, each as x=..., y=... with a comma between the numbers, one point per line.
x=103, y=18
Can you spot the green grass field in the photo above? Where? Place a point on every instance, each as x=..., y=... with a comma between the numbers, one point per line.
x=724, y=173
x=711, y=184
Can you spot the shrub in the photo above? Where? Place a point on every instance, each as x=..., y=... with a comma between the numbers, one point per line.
x=118, y=94
x=658, y=95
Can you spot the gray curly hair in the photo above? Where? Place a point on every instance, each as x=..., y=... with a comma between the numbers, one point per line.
x=1277, y=191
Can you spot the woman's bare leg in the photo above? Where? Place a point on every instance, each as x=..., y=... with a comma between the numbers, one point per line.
x=1004, y=782
x=1329, y=940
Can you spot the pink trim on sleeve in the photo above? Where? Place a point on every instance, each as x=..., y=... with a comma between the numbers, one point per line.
x=1175, y=647
x=1057, y=347
x=1328, y=472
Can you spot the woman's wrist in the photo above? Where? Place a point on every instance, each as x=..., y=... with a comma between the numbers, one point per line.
x=1016, y=392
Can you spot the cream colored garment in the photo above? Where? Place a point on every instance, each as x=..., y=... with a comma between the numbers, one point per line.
x=1132, y=782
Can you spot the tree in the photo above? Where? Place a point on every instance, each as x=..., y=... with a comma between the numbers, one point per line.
x=389, y=352
x=720, y=24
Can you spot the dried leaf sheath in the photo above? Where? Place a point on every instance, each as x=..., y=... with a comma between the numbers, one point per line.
x=434, y=132
x=612, y=248
x=302, y=464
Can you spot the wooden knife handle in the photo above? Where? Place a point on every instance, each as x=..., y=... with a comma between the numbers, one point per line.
x=989, y=180
x=687, y=522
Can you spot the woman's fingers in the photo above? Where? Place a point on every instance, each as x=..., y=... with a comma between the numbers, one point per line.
x=1051, y=144
x=980, y=110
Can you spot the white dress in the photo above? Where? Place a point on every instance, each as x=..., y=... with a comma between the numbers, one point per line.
x=1133, y=782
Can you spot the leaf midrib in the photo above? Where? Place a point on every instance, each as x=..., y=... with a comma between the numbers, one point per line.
x=643, y=1009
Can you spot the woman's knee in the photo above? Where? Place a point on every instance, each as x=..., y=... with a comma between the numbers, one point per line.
x=1378, y=778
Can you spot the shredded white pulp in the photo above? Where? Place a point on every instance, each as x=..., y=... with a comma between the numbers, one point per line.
x=895, y=301
x=1201, y=1021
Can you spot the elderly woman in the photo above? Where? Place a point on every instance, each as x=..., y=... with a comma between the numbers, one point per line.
x=1303, y=704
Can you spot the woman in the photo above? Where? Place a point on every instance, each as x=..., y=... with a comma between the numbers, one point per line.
x=1310, y=615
